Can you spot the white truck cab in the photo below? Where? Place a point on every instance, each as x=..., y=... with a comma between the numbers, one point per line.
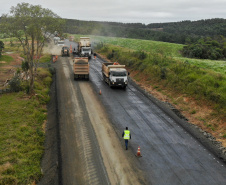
x=60, y=43
x=115, y=74
x=118, y=77
x=86, y=52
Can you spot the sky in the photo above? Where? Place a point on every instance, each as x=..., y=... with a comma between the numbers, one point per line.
x=129, y=11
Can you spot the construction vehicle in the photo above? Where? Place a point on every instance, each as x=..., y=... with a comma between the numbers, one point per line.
x=81, y=68
x=56, y=39
x=115, y=74
x=60, y=43
x=65, y=51
x=71, y=38
x=84, y=47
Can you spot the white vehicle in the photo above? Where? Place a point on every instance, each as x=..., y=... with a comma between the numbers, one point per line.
x=84, y=47
x=86, y=52
x=60, y=43
x=115, y=74
x=56, y=39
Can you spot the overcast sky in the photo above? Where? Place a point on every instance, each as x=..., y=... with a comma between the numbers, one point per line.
x=130, y=11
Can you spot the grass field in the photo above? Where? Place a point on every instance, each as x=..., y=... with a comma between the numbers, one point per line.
x=5, y=59
x=214, y=65
x=168, y=49
x=22, y=132
x=164, y=48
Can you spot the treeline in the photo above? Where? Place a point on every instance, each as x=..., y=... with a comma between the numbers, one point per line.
x=174, y=32
x=207, y=48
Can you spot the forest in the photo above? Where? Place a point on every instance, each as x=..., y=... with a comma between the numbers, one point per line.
x=204, y=39
x=174, y=32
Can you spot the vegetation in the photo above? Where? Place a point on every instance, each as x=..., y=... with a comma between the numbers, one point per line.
x=175, y=32
x=32, y=26
x=22, y=137
x=169, y=49
x=207, y=48
x=6, y=59
x=209, y=34
x=1, y=47
x=163, y=48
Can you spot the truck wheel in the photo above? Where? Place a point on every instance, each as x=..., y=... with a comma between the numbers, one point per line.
x=110, y=85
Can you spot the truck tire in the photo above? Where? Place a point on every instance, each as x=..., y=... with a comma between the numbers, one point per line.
x=110, y=85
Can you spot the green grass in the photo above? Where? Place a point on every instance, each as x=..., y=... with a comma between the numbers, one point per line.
x=214, y=65
x=45, y=58
x=163, y=48
x=5, y=58
x=21, y=134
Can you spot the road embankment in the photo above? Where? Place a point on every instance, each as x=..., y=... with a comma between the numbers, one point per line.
x=51, y=162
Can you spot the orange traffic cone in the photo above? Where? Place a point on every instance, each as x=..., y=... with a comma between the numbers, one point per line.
x=138, y=152
x=100, y=92
x=70, y=49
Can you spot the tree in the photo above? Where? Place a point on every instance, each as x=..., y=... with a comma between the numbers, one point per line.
x=1, y=47
x=32, y=25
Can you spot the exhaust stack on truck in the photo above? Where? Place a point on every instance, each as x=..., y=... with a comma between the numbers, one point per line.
x=81, y=68
x=115, y=75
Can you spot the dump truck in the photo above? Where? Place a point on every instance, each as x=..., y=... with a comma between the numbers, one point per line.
x=81, y=68
x=84, y=47
x=65, y=51
x=115, y=74
x=71, y=38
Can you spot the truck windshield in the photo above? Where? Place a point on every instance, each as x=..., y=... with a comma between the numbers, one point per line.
x=116, y=73
x=86, y=49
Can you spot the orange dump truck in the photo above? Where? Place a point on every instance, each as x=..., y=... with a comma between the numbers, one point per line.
x=81, y=68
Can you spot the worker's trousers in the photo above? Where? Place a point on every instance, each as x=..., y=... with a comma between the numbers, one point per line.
x=126, y=142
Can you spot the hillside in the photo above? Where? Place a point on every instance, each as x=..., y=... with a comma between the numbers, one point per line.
x=175, y=32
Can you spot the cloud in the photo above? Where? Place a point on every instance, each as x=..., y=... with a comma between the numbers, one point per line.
x=143, y=11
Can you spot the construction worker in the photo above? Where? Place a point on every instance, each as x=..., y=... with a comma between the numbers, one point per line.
x=126, y=135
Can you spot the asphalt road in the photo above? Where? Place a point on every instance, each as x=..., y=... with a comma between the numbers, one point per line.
x=170, y=155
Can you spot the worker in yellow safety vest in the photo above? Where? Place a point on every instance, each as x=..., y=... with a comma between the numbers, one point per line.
x=126, y=135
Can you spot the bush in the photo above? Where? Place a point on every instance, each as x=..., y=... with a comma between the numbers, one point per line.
x=25, y=66
x=206, y=49
x=47, y=81
x=15, y=84
x=1, y=47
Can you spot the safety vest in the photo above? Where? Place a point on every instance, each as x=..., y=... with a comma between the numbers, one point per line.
x=126, y=134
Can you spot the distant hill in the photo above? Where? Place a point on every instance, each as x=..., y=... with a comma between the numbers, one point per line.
x=175, y=32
